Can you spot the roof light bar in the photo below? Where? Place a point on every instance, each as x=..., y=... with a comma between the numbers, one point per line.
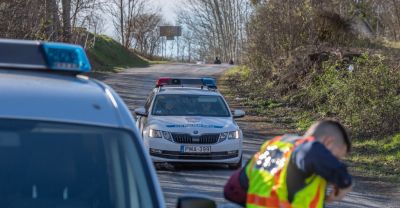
x=36, y=55
x=66, y=57
x=208, y=82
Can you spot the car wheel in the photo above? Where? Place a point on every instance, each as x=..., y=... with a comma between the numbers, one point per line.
x=237, y=165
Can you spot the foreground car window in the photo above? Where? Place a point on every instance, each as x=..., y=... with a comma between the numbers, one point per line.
x=61, y=165
x=190, y=105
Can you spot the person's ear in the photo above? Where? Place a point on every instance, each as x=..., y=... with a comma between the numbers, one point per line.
x=327, y=140
x=323, y=140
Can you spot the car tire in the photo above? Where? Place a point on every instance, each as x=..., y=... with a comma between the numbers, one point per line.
x=237, y=165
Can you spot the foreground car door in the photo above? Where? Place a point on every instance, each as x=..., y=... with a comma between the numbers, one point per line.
x=49, y=164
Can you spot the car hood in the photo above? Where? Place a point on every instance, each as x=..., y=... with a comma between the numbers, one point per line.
x=192, y=125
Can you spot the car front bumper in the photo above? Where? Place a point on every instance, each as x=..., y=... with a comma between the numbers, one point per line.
x=161, y=150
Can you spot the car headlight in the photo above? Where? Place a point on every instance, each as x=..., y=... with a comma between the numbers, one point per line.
x=234, y=134
x=155, y=133
x=229, y=135
x=160, y=134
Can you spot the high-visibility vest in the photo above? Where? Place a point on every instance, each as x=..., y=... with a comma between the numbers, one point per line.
x=267, y=172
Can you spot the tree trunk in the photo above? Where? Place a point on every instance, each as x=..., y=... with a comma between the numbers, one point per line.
x=52, y=21
x=66, y=17
x=121, y=21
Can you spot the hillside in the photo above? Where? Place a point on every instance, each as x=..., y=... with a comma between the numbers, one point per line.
x=109, y=55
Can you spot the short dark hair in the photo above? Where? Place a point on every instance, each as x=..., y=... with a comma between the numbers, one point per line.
x=342, y=130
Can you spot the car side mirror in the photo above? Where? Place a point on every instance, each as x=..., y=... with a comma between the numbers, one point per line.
x=141, y=112
x=196, y=202
x=238, y=113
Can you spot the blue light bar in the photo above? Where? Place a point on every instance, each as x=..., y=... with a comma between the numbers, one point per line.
x=37, y=55
x=65, y=57
x=210, y=82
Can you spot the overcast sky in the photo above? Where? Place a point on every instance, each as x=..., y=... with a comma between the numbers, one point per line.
x=168, y=10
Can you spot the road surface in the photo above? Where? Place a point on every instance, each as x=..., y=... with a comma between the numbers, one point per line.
x=133, y=85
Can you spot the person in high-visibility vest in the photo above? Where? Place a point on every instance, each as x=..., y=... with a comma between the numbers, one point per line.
x=295, y=171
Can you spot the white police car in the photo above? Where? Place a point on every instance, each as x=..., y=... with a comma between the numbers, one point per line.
x=188, y=120
x=67, y=140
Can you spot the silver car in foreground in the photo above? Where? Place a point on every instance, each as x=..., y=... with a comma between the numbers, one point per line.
x=67, y=140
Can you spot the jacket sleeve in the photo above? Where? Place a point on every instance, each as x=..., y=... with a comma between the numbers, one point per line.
x=313, y=157
x=235, y=190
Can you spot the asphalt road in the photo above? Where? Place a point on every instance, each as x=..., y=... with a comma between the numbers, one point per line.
x=133, y=85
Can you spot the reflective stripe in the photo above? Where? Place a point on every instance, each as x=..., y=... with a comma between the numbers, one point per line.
x=301, y=141
x=269, y=202
x=314, y=202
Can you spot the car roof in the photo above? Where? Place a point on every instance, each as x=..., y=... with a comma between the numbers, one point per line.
x=60, y=97
x=186, y=91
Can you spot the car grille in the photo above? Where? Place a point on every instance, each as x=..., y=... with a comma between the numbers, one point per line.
x=194, y=156
x=189, y=139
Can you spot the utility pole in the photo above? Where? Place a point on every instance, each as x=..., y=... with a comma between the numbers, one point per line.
x=189, y=52
x=177, y=48
x=162, y=48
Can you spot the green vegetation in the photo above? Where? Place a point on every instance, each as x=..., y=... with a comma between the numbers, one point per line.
x=377, y=157
x=238, y=78
x=109, y=55
x=241, y=72
x=366, y=99
x=322, y=61
x=392, y=44
x=159, y=62
x=304, y=120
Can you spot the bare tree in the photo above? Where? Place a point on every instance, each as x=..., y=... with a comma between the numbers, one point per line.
x=66, y=19
x=218, y=26
x=87, y=20
x=123, y=13
x=145, y=33
x=82, y=9
x=52, y=20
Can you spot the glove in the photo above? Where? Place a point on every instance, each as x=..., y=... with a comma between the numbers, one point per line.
x=337, y=194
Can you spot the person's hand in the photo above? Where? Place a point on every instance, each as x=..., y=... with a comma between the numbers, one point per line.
x=337, y=194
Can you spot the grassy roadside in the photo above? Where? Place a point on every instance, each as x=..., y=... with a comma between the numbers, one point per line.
x=159, y=62
x=377, y=158
x=110, y=56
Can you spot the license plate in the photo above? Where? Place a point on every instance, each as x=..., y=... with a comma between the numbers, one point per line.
x=196, y=149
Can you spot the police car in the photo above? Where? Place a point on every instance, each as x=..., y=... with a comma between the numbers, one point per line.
x=67, y=140
x=188, y=120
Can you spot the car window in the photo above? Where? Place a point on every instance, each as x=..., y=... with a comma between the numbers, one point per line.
x=63, y=165
x=190, y=105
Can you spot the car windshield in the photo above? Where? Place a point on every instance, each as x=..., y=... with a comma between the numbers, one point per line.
x=62, y=165
x=190, y=105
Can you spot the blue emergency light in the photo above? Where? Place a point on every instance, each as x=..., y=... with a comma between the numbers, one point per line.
x=209, y=82
x=36, y=55
x=66, y=57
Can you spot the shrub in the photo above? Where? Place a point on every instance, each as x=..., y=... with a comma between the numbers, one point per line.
x=366, y=99
x=237, y=78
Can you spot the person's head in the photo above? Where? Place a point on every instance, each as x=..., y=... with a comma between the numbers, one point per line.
x=206, y=106
x=332, y=135
x=169, y=105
